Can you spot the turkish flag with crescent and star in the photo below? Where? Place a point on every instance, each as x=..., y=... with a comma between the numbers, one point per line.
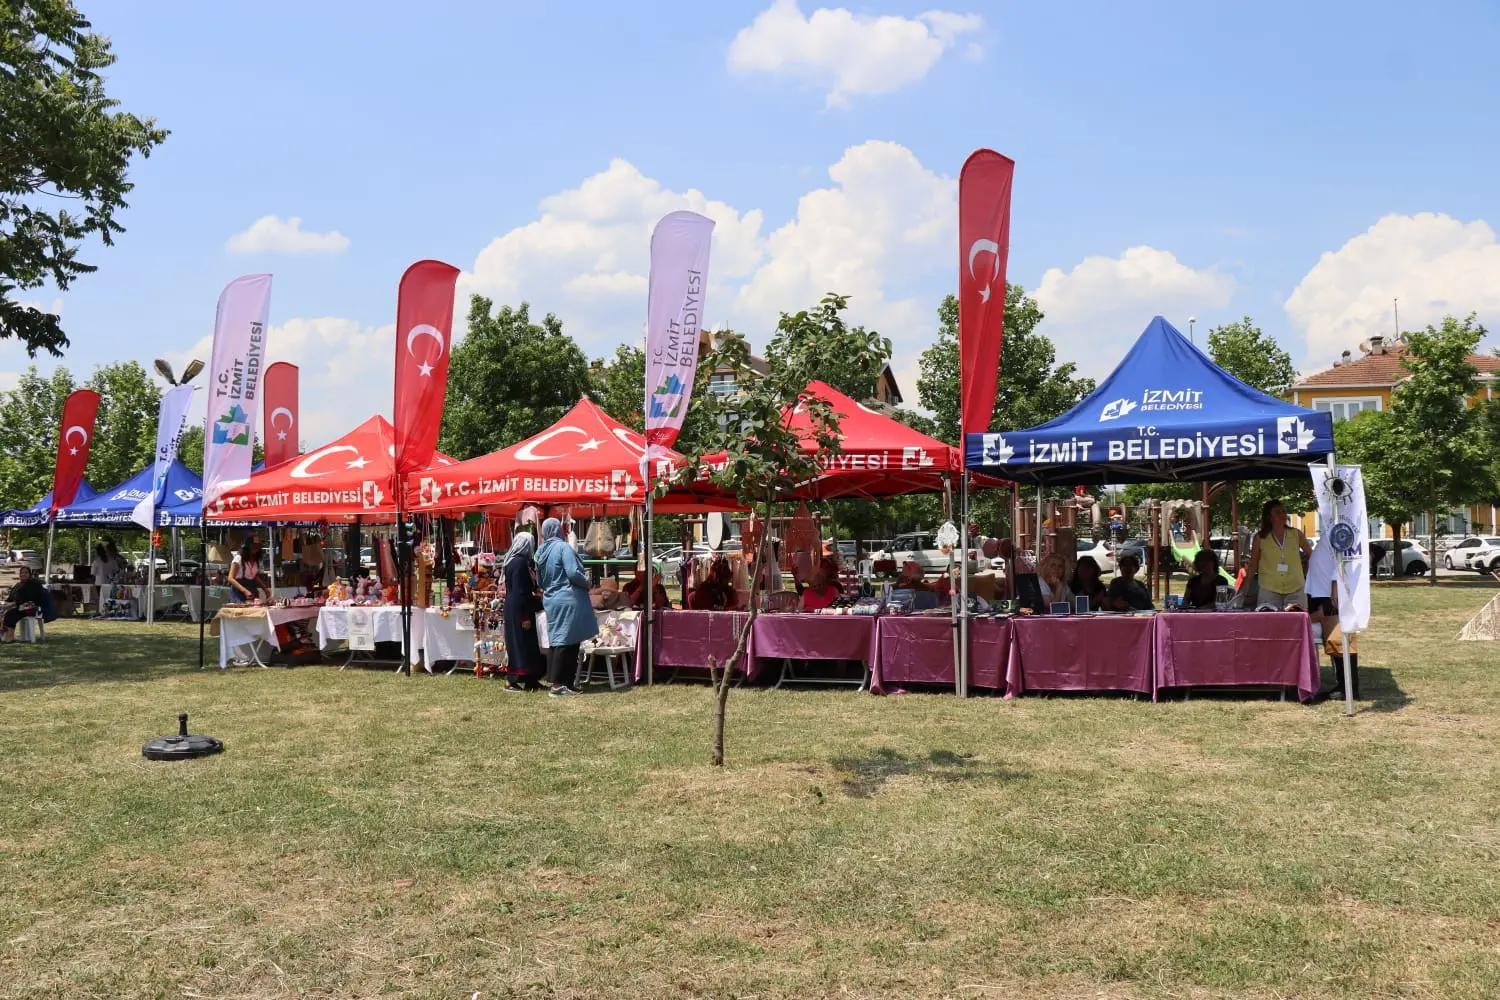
x=76, y=436
x=279, y=390
x=983, y=247
x=424, y=327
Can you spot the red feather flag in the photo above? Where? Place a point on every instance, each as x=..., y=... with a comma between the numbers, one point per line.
x=424, y=337
x=983, y=248
x=75, y=438
x=279, y=391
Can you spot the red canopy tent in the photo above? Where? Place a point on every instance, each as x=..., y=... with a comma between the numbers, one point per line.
x=879, y=457
x=585, y=459
x=354, y=476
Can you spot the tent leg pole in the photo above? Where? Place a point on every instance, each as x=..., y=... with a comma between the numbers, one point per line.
x=961, y=654
x=1036, y=553
x=202, y=586
x=644, y=634
x=47, y=564
x=402, y=590
x=151, y=580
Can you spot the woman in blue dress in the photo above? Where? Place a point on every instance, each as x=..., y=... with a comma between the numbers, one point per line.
x=525, y=664
x=565, y=598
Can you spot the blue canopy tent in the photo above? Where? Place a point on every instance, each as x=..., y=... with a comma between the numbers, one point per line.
x=36, y=515
x=182, y=491
x=1166, y=414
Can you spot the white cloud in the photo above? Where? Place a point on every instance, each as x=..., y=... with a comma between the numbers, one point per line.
x=1095, y=311
x=272, y=234
x=1434, y=264
x=346, y=372
x=55, y=307
x=883, y=221
x=852, y=54
x=586, y=258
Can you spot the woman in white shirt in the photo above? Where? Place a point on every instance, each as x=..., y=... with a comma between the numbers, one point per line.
x=103, y=568
x=1054, y=590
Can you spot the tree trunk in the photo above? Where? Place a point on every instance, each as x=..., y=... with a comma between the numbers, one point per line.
x=724, y=679
x=1396, y=573
x=1432, y=547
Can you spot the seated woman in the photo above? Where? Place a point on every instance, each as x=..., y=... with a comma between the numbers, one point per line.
x=26, y=598
x=1125, y=592
x=716, y=592
x=635, y=591
x=912, y=577
x=1203, y=586
x=818, y=593
x=1050, y=572
x=1087, y=582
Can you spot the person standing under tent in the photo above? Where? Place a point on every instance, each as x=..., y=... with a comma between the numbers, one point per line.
x=565, y=599
x=103, y=568
x=525, y=665
x=245, y=581
x=1276, y=557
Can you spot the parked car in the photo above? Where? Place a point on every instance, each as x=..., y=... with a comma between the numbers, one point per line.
x=1414, y=558
x=1458, y=553
x=921, y=548
x=31, y=557
x=1485, y=557
x=1102, y=553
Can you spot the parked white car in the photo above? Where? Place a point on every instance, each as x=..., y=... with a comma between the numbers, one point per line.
x=1459, y=552
x=1414, y=558
x=1485, y=557
x=1102, y=553
x=919, y=547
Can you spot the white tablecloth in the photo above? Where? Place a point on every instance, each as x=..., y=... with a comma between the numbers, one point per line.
x=240, y=632
x=450, y=638
x=333, y=626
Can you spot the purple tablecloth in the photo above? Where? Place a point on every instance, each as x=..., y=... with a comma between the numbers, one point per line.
x=918, y=649
x=1204, y=649
x=689, y=638
x=815, y=637
x=1080, y=653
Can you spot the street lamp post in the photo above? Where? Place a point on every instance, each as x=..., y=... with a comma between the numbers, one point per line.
x=1191, y=321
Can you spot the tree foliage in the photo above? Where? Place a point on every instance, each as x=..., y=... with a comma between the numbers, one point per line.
x=29, y=418
x=509, y=378
x=1442, y=460
x=125, y=431
x=1245, y=351
x=61, y=141
x=619, y=386
x=820, y=342
x=1032, y=387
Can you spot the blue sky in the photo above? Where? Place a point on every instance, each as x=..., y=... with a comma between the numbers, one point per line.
x=1302, y=163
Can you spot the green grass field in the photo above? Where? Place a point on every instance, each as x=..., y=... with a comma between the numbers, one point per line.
x=367, y=835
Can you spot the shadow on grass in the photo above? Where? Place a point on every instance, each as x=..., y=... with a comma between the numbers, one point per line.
x=1378, y=686
x=87, y=652
x=865, y=776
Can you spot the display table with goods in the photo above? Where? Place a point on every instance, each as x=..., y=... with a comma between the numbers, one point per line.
x=918, y=649
x=358, y=628
x=684, y=640
x=1195, y=649
x=250, y=631
x=448, y=636
x=1091, y=652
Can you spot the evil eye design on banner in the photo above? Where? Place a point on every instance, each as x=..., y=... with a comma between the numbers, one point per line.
x=1344, y=539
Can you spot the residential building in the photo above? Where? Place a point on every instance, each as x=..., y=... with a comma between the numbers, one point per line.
x=1353, y=384
x=886, y=392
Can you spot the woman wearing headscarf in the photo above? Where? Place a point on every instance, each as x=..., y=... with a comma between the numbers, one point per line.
x=565, y=598
x=525, y=664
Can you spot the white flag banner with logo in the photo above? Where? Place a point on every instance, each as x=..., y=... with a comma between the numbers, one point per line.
x=674, y=316
x=1343, y=551
x=234, y=383
x=170, y=421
